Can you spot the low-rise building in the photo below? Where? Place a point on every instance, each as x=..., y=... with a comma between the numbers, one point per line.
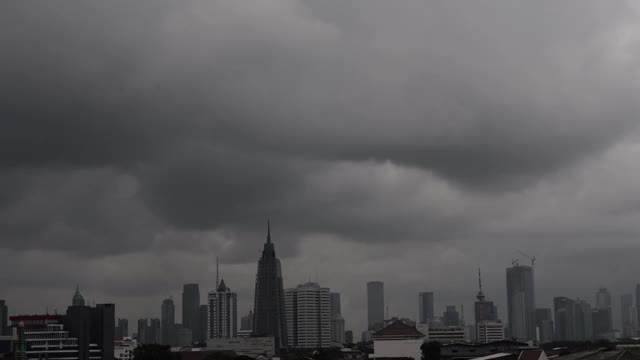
x=397, y=340
x=447, y=334
x=489, y=331
x=250, y=346
x=123, y=349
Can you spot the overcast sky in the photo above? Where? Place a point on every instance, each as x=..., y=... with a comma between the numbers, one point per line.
x=410, y=142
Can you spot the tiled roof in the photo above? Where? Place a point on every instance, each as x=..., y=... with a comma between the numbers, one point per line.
x=399, y=328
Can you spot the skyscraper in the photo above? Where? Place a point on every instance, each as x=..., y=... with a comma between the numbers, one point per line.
x=334, y=298
x=308, y=316
x=223, y=312
x=584, y=321
x=451, y=317
x=92, y=325
x=77, y=299
x=484, y=310
x=168, y=317
x=191, y=308
x=603, y=299
x=564, y=310
x=375, y=305
x=521, y=302
x=4, y=318
x=143, y=324
x=626, y=321
x=425, y=307
x=203, y=323
x=269, y=313
x=122, y=329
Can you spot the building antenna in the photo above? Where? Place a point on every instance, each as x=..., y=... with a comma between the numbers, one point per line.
x=387, y=312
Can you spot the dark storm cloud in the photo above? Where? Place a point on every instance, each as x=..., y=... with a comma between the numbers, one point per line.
x=163, y=133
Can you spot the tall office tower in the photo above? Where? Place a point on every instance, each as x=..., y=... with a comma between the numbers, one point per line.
x=191, y=308
x=626, y=321
x=77, y=299
x=168, y=316
x=521, y=301
x=154, y=331
x=334, y=298
x=143, y=324
x=223, y=313
x=269, y=314
x=92, y=325
x=603, y=299
x=602, y=326
x=564, y=310
x=584, y=321
x=375, y=305
x=203, y=323
x=122, y=330
x=451, y=317
x=246, y=323
x=4, y=318
x=425, y=307
x=308, y=316
x=544, y=323
x=484, y=310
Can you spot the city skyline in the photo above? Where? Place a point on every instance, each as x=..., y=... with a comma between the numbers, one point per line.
x=404, y=143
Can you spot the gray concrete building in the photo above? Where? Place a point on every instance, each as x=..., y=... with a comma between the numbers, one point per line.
x=425, y=307
x=521, y=302
x=191, y=308
x=168, y=317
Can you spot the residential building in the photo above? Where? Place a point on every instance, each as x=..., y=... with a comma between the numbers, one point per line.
x=375, y=305
x=521, y=302
x=337, y=329
x=308, y=316
x=168, y=317
x=487, y=331
x=191, y=308
x=269, y=316
x=223, y=312
x=451, y=317
x=334, y=304
x=626, y=321
x=398, y=340
x=124, y=348
x=425, y=307
x=544, y=323
x=246, y=322
x=564, y=310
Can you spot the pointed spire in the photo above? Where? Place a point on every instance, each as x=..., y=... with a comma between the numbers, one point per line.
x=268, y=231
x=480, y=295
x=217, y=272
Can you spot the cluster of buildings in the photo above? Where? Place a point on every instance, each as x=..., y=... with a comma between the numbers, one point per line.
x=309, y=316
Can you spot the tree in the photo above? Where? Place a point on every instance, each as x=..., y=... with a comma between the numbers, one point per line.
x=152, y=352
x=430, y=350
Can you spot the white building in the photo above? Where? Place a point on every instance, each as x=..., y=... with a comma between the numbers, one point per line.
x=123, y=349
x=308, y=316
x=447, y=334
x=489, y=331
x=223, y=313
x=397, y=340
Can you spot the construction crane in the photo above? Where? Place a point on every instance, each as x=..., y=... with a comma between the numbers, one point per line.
x=532, y=258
